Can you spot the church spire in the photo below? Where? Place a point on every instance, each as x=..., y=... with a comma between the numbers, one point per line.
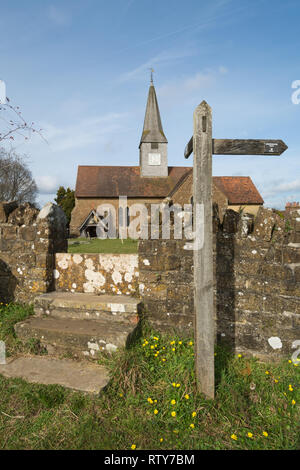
x=153, y=144
x=152, y=131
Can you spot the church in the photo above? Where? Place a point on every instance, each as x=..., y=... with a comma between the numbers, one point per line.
x=152, y=181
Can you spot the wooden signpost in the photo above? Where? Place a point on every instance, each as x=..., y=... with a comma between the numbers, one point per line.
x=203, y=146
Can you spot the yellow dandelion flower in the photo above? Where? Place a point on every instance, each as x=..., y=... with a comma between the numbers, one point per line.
x=174, y=384
x=121, y=394
x=187, y=397
x=293, y=402
x=155, y=337
x=296, y=365
x=173, y=402
x=173, y=413
x=144, y=345
x=163, y=359
x=267, y=372
x=152, y=347
x=239, y=355
x=173, y=349
x=250, y=434
x=179, y=342
x=276, y=381
x=150, y=400
x=194, y=414
x=290, y=388
x=133, y=447
x=290, y=361
x=191, y=343
x=155, y=401
x=192, y=425
x=155, y=412
x=265, y=433
x=234, y=437
x=177, y=385
x=161, y=439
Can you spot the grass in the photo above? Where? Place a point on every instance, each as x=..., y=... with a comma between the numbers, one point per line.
x=251, y=397
x=95, y=245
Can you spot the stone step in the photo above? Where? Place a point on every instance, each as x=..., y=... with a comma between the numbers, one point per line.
x=76, y=375
x=80, y=338
x=88, y=306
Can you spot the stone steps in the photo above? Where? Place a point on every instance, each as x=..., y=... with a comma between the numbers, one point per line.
x=82, y=325
x=88, y=306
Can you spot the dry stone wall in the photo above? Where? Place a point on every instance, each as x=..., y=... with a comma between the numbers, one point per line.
x=97, y=273
x=28, y=240
x=256, y=277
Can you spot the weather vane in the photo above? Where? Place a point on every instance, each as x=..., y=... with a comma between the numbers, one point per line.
x=151, y=75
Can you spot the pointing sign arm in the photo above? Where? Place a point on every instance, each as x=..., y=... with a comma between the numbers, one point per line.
x=242, y=147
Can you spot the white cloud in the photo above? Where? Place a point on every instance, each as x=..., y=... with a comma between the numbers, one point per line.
x=167, y=57
x=47, y=184
x=84, y=132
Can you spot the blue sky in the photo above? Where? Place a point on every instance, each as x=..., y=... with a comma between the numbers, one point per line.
x=80, y=69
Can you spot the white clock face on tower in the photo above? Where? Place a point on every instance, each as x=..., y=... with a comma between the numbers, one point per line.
x=154, y=159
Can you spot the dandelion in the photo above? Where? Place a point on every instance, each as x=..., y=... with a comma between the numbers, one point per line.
x=276, y=381
x=133, y=447
x=293, y=402
x=267, y=372
x=177, y=385
x=172, y=342
x=163, y=359
x=161, y=439
x=194, y=414
x=290, y=388
x=155, y=337
x=192, y=425
x=174, y=384
x=239, y=355
x=265, y=433
x=234, y=437
x=155, y=412
x=173, y=413
x=149, y=400
x=173, y=349
x=152, y=347
x=290, y=361
x=180, y=342
x=250, y=434
x=187, y=397
x=155, y=401
x=191, y=343
x=173, y=402
x=121, y=394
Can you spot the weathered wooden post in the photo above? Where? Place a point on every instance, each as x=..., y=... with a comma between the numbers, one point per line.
x=203, y=254
x=203, y=146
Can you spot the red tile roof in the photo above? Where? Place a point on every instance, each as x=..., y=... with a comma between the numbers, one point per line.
x=238, y=189
x=115, y=181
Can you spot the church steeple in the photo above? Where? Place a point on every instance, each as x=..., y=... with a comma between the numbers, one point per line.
x=153, y=144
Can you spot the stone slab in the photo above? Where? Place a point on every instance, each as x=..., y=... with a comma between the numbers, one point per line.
x=73, y=300
x=80, y=376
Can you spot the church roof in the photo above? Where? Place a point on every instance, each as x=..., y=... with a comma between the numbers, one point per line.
x=152, y=131
x=238, y=189
x=115, y=181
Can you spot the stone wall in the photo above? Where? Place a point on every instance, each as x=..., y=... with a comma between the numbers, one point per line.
x=28, y=240
x=256, y=276
x=97, y=273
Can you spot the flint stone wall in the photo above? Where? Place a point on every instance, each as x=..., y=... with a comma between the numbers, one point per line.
x=256, y=278
x=97, y=273
x=29, y=238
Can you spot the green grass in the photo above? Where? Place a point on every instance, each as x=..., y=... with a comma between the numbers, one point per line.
x=95, y=245
x=248, y=400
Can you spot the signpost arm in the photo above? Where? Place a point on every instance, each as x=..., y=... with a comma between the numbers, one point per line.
x=203, y=255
